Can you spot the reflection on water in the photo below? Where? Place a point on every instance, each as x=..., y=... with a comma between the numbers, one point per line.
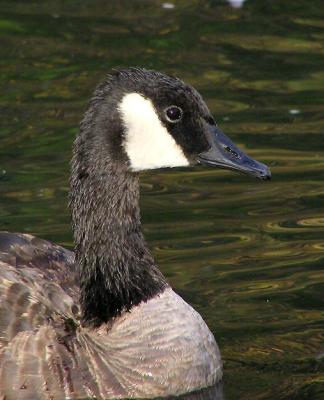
x=212, y=393
x=248, y=255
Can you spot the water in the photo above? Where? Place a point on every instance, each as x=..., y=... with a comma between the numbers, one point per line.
x=248, y=255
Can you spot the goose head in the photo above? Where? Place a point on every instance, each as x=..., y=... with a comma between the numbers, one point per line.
x=146, y=120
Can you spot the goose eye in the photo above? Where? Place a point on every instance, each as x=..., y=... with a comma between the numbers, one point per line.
x=173, y=114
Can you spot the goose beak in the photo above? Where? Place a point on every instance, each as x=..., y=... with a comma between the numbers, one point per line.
x=224, y=154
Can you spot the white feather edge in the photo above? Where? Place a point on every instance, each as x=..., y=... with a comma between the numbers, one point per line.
x=147, y=142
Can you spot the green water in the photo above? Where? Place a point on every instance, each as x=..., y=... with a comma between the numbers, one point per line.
x=249, y=255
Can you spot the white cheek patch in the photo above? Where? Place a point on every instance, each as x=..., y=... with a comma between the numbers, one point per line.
x=147, y=142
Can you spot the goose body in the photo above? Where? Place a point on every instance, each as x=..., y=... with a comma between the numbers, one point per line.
x=103, y=322
x=46, y=351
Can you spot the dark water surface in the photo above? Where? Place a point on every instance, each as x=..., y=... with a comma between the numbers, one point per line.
x=249, y=255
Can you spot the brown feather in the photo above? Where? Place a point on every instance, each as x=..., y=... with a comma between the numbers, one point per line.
x=45, y=353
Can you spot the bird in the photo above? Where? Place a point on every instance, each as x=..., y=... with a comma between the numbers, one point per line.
x=103, y=322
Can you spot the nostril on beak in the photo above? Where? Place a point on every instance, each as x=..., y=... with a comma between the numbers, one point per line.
x=232, y=152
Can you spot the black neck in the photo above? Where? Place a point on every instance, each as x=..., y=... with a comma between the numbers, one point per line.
x=117, y=270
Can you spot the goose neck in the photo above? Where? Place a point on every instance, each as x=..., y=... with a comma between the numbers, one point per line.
x=116, y=268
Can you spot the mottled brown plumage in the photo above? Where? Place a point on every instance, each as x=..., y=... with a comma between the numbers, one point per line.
x=161, y=347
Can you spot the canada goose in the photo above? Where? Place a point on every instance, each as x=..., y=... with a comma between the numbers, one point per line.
x=106, y=323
